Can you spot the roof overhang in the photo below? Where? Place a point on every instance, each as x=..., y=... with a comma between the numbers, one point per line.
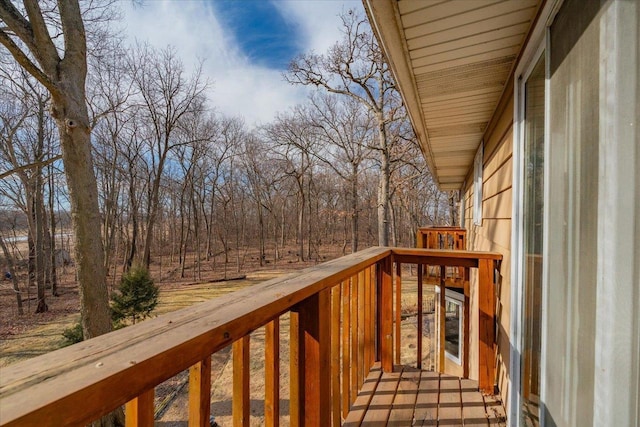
x=451, y=61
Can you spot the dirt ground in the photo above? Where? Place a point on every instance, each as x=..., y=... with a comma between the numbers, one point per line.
x=29, y=335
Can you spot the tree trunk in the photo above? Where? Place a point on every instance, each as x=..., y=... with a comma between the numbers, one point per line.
x=70, y=112
x=154, y=207
x=354, y=210
x=12, y=272
x=261, y=233
x=39, y=244
x=383, y=186
x=52, y=221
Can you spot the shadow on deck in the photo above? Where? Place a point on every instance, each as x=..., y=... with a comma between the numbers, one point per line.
x=411, y=397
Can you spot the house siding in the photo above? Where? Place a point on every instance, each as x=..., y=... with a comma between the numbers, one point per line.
x=494, y=234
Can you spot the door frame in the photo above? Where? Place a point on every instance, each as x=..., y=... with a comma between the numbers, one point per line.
x=537, y=45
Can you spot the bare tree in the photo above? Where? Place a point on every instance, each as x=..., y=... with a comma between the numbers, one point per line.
x=62, y=69
x=346, y=125
x=167, y=98
x=292, y=139
x=355, y=67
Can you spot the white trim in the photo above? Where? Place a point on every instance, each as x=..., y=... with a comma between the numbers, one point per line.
x=546, y=215
x=531, y=53
x=457, y=299
x=517, y=267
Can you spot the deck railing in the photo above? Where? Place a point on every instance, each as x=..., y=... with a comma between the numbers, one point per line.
x=341, y=321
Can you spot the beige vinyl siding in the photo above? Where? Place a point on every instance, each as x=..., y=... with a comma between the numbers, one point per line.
x=495, y=232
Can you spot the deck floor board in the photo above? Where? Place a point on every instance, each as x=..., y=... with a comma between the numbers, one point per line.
x=411, y=397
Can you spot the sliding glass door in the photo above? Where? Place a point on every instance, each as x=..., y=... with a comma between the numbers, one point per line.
x=533, y=90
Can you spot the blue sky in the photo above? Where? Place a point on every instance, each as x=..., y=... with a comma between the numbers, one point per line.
x=262, y=32
x=245, y=45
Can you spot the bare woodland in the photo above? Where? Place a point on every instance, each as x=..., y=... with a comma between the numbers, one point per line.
x=120, y=148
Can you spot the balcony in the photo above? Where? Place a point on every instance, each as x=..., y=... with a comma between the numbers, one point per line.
x=343, y=350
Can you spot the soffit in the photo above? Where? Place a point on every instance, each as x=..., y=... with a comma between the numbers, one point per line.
x=452, y=60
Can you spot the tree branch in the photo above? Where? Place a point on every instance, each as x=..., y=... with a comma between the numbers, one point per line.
x=75, y=41
x=24, y=61
x=17, y=23
x=45, y=51
x=30, y=166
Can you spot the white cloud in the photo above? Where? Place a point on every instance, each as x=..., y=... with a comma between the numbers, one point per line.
x=239, y=87
x=319, y=19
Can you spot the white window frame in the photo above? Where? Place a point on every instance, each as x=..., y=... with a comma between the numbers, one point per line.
x=478, y=162
x=457, y=299
x=538, y=45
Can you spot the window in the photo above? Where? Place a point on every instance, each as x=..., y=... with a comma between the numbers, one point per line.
x=453, y=323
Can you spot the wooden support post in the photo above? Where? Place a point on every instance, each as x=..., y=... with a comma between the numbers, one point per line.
x=385, y=305
x=361, y=327
x=335, y=356
x=272, y=373
x=398, y=332
x=139, y=411
x=486, y=325
x=467, y=321
x=420, y=316
x=200, y=393
x=241, y=396
x=442, y=318
x=312, y=343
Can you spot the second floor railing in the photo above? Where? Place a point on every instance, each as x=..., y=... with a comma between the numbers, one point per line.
x=341, y=322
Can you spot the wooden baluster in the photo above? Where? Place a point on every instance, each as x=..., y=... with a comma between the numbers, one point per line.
x=335, y=355
x=442, y=318
x=200, y=393
x=372, y=323
x=272, y=373
x=346, y=347
x=432, y=242
x=312, y=345
x=241, y=396
x=366, y=365
x=398, y=310
x=139, y=411
x=361, y=328
x=385, y=307
x=486, y=324
x=420, y=317
x=353, y=360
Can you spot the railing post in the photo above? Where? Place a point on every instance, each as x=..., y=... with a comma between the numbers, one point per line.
x=398, y=331
x=310, y=361
x=385, y=313
x=486, y=310
x=139, y=411
x=442, y=318
x=466, y=329
x=200, y=393
x=420, y=316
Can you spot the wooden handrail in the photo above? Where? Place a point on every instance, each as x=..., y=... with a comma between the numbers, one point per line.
x=78, y=384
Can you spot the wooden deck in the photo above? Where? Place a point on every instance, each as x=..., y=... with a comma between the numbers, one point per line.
x=411, y=397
